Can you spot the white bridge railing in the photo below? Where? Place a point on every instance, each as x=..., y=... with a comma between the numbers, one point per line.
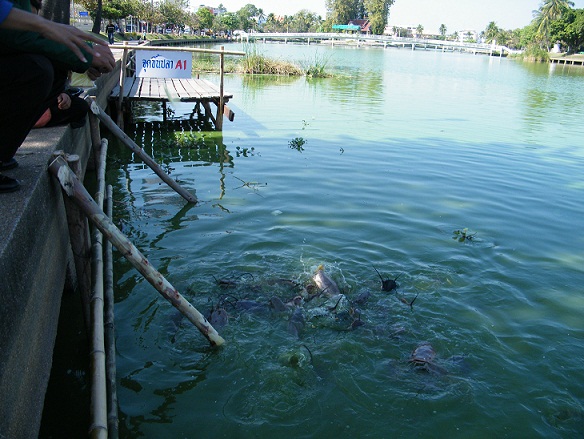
x=380, y=39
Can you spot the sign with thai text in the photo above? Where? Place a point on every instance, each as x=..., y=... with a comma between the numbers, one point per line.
x=163, y=64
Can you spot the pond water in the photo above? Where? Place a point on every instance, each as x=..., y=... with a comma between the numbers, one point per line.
x=386, y=166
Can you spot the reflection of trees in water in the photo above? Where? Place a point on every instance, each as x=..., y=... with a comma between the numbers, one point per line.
x=253, y=85
x=546, y=97
x=345, y=88
x=168, y=144
x=181, y=141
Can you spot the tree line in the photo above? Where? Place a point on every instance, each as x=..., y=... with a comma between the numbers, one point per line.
x=554, y=22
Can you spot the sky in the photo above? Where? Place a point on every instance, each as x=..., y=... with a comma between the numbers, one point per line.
x=455, y=14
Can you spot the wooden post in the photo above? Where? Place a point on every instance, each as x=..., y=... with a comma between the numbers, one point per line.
x=109, y=327
x=219, y=118
x=122, y=80
x=75, y=189
x=119, y=133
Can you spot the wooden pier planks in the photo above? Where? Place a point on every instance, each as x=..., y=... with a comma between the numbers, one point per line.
x=161, y=89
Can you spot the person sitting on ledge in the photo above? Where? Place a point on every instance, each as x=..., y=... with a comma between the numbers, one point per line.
x=67, y=107
x=28, y=46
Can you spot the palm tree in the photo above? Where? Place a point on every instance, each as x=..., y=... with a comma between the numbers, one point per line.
x=491, y=32
x=549, y=11
x=442, y=30
x=420, y=31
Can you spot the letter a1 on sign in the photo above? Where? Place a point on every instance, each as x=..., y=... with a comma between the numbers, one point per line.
x=163, y=64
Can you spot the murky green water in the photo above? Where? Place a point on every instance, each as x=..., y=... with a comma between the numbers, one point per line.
x=378, y=167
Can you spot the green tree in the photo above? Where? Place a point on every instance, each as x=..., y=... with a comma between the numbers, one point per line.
x=205, y=17
x=117, y=9
x=420, y=31
x=304, y=21
x=491, y=32
x=569, y=30
x=246, y=17
x=226, y=22
x=549, y=11
x=443, y=31
x=343, y=11
x=378, y=13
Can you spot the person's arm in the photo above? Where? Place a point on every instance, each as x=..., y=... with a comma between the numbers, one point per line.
x=71, y=37
x=5, y=8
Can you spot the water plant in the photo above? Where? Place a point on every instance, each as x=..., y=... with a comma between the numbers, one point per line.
x=256, y=63
x=463, y=235
x=316, y=67
x=297, y=143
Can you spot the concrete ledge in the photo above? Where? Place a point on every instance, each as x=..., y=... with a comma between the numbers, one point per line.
x=35, y=254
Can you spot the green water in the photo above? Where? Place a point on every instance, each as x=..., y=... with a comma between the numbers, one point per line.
x=377, y=167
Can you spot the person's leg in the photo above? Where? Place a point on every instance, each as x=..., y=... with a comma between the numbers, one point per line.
x=75, y=114
x=25, y=83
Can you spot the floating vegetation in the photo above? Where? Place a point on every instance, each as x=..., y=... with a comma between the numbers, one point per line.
x=297, y=143
x=317, y=67
x=463, y=235
x=255, y=63
x=244, y=152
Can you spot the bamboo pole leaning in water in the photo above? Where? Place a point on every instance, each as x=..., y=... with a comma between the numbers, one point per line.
x=73, y=187
x=119, y=133
x=109, y=326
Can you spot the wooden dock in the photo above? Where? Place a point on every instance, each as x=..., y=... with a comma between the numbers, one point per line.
x=571, y=60
x=199, y=91
x=133, y=87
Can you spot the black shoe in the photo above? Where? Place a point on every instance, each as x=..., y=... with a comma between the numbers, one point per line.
x=8, y=184
x=9, y=164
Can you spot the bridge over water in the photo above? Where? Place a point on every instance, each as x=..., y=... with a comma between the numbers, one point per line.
x=380, y=41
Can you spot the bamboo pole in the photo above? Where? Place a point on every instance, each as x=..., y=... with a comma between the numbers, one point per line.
x=80, y=244
x=122, y=81
x=98, y=428
x=119, y=133
x=95, y=134
x=109, y=325
x=75, y=189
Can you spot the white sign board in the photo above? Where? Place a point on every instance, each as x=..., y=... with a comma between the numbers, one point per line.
x=163, y=64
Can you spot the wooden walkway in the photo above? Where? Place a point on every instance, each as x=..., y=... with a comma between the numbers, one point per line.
x=170, y=89
x=199, y=91
x=133, y=87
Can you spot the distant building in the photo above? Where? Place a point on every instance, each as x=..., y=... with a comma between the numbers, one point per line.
x=365, y=25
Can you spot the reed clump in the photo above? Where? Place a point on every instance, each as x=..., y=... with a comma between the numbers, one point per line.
x=316, y=67
x=534, y=54
x=255, y=63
